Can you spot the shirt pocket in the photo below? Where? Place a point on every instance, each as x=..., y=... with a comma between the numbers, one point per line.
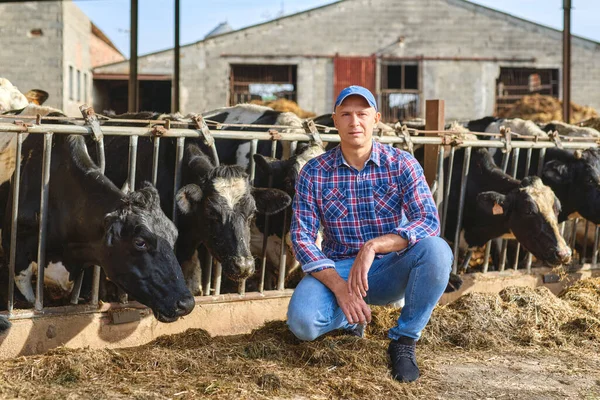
x=386, y=200
x=334, y=204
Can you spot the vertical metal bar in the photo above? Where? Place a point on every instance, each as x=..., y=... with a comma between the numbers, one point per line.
x=447, y=190
x=504, y=165
x=529, y=261
x=155, y=154
x=77, y=287
x=293, y=146
x=503, y=255
x=263, y=263
x=574, y=233
x=217, y=280
x=177, y=177
x=253, y=147
x=133, y=94
x=585, y=240
x=176, y=64
x=13, y=225
x=274, y=149
x=101, y=156
x=486, y=256
x=242, y=287
x=97, y=273
x=208, y=278
x=566, y=61
x=515, y=166
x=41, y=253
x=133, y=145
x=283, y=255
x=562, y=228
x=528, y=162
x=541, y=161
x=596, y=239
x=439, y=177
x=461, y=205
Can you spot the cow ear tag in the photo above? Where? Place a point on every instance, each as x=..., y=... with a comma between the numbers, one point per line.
x=497, y=209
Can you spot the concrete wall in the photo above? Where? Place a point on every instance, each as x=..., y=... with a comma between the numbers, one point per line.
x=430, y=28
x=76, y=54
x=102, y=53
x=33, y=62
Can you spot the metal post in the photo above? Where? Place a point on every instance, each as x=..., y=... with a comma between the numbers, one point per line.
x=461, y=205
x=101, y=156
x=133, y=145
x=133, y=59
x=208, y=278
x=283, y=255
x=486, y=256
x=155, y=155
x=585, y=240
x=177, y=179
x=176, y=64
x=217, y=280
x=567, y=61
x=595, y=254
x=253, y=147
x=41, y=253
x=515, y=165
x=13, y=225
x=447, y=191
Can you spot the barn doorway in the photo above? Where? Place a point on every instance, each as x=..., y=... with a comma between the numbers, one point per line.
x=262, y=82
x=514, y=83
x=111, y=91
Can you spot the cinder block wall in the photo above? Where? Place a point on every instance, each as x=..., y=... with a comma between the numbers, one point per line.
x=33, y=62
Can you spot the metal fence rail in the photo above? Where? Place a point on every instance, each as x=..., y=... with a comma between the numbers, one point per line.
x=444, y=141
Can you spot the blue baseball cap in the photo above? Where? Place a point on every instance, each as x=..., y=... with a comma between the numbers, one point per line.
x=356, y=90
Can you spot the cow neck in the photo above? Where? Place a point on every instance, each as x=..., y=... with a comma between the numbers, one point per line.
x=489, y=175
x=99, y=195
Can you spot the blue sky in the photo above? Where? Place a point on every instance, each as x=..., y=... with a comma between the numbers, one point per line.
x=198, y=17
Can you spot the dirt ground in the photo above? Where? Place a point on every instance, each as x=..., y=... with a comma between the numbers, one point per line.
x=519, y=344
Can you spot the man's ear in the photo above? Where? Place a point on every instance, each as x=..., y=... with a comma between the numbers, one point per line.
x=492, y=203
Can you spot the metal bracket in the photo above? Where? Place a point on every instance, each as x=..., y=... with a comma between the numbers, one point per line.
x=506, y=139
x=22, y=123
x=311, y=129
x=451, y=140
x=159, y=130
x=207, y=137
x=275, y=135
x=91, y=119
x=402, y=131
x=555, y=138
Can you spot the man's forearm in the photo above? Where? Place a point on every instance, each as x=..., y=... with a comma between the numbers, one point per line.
x=387, y=243
x=330, y=278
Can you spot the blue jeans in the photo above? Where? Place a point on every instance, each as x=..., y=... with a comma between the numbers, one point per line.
x=419, y=275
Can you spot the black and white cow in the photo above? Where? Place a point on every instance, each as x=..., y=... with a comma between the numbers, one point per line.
x=497, y=205
x=237, y=152
x=216, y=205
x=92, y=222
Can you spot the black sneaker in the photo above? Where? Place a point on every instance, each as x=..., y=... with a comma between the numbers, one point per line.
x=404, y=360
x=358, y=331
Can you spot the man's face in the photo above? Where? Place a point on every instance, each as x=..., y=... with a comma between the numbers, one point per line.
x=355, y=120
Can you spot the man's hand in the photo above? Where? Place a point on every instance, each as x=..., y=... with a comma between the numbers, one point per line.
x=358, y=282
x=354, y=307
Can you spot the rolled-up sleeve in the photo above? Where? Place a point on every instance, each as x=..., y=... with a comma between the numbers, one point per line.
x=418, y=204
x=305, y=226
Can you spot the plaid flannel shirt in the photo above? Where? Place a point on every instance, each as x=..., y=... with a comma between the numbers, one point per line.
x=389, y=195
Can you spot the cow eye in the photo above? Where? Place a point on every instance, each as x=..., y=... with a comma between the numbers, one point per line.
x=140, y=244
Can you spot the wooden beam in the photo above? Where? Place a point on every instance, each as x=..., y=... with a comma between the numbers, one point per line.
x=434, y=121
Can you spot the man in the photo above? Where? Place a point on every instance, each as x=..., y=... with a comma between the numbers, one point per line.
x=381, y=243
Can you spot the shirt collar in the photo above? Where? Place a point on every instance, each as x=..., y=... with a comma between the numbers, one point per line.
x=375, y=157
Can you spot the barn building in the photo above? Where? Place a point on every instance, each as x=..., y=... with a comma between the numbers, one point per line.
x=476, y=58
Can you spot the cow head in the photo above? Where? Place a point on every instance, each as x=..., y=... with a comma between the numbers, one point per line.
x=530, y=212
x=138, y=255
x=284, y=173
x=575, y=178
x=221, y=204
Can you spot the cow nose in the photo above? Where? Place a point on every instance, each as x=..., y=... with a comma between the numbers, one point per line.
x=185, y=306
x=564, y=255
x=245, y=265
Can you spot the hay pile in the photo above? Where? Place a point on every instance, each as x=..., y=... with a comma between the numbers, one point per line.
x=543, y=109
x=285, y=106
x=270, y=362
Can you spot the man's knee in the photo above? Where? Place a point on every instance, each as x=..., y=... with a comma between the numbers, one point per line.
x=302, y=324
x=434, y=251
